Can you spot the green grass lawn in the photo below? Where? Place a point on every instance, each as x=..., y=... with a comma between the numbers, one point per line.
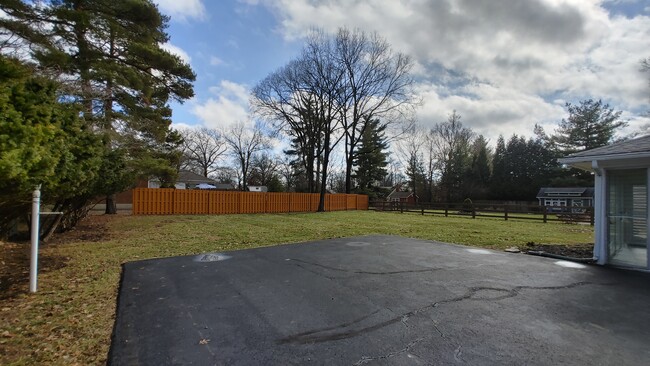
x=69, y=321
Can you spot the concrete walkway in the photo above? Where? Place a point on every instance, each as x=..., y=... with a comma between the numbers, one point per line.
x=379, y=300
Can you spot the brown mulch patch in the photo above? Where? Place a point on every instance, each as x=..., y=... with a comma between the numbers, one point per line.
x=14, y=256
x=585, y=250
x=93, y=228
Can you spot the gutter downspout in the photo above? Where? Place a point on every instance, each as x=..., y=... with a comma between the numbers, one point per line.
x=600, y=218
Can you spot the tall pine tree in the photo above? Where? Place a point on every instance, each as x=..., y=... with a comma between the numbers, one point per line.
x=500, y=174
x=590, y=124
x=108, y=56
x=371, y=158
x=477, y=179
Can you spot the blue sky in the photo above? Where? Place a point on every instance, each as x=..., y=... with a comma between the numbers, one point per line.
x=502, y=65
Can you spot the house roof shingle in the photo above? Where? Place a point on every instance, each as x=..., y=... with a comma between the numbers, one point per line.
x=186, y=176
x=637, y=145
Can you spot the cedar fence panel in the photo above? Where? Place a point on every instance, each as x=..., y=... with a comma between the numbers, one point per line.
x=277, y=202
x=223, y=202
x=190, y=202
x=337, y=202
x=149, y=201
x=362, y=202
x=351, y=201
x=169, y=201
x=315, y=200
x=300, y=202
x=252, y=202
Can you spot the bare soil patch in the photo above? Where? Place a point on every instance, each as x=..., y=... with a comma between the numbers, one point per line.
x=14, y=256
x=93, y=228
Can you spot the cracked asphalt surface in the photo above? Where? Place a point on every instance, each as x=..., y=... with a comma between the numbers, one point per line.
x=379, y=300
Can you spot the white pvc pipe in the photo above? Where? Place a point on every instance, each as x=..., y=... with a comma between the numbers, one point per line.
x=33, y=267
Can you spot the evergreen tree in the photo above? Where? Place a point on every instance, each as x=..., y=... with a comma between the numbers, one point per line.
x=371, y=158
x=415, y=174
x=109, y=58
x=42, y=142
x=590, y=124
x=477, y=179
x=499, y=170
x=521, y=168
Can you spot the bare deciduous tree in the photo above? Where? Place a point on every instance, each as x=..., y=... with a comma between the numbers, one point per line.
x=325, y=95
x=285, y=100
x=377, y=86
x=203, y=148
x=244, y=142
x=265, y=168
x=451, y=146
x=411, y=157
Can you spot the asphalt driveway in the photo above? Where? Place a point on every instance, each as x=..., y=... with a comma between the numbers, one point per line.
x=379, y=300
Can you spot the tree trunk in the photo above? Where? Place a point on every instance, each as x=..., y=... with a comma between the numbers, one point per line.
x=111, y=207
x=244, y=175
x=323, y=183
x=348, y=173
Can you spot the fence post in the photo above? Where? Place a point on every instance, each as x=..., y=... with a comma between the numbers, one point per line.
x=473, y=212
x=401, y=207
x=545, y=213
x=505, y=212
x=422, y=207
x=591, y=215
x=446, y=209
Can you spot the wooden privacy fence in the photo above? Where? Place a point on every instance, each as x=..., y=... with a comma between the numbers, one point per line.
x=524, y=212
x=169, y=201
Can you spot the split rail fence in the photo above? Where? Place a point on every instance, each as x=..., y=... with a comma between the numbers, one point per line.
x=569, y=214
x=169, y=201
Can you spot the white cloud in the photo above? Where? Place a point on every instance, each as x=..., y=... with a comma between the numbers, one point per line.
x=183, y=10
x=177, y=51
x=487, y=109
x=216, y=61
x=180, y=126
x=228, y=106
x=508, y=62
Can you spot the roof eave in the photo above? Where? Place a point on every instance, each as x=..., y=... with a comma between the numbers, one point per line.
x=586, y=162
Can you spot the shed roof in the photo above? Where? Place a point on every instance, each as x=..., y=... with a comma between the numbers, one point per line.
x=567, y=192
x=400, y=194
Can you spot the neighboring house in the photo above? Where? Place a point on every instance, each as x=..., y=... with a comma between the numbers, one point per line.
x=620, y=200
x=186, y=180
x=566, y=197
x=398, y=196
x=258, y=188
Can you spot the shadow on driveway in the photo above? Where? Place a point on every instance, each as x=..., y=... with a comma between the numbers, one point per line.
x=379, y=300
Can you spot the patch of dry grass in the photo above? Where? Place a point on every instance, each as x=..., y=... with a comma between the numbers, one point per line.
x=69, y=321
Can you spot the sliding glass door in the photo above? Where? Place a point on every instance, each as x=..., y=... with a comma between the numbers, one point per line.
x=627, y=215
